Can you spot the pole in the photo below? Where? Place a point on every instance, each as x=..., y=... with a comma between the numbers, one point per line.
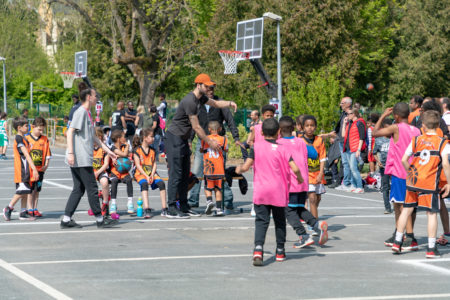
x=4, y=87
x=279, y=70
x=31, y=95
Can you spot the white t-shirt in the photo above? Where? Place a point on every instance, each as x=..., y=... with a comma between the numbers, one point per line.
x=446, y=118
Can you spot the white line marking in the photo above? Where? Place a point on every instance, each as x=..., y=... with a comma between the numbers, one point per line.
x=58, y=155
x=423, y=264
x=33, y=281
x=423, y=296
x=351, y=197
x=187, y=257
x=57, y=185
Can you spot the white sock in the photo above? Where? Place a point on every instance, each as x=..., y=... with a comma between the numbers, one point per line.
x=431, y=242
x=399, y=236
x=66, y=219
x=99, y=219
x=130, y=200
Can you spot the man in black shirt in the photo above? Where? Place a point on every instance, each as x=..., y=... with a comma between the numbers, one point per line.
x=207, y=114
x=177, y=143
x=117, y=119
x=130, y=118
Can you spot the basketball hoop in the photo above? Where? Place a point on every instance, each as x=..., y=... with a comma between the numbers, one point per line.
x=231, y=59
x=68, y=78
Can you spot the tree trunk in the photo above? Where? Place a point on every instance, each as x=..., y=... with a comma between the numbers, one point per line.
x=147, y=84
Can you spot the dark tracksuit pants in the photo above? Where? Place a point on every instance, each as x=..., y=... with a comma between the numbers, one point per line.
x=179, y=160
x=297, y=211
x=83, y=180
x=262, y=221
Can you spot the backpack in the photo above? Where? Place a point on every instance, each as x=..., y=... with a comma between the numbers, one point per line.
x=162, y=123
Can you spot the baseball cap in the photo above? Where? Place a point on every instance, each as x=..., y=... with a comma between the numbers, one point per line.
x=205, y=79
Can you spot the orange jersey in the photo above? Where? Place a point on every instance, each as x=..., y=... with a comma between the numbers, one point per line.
x=213, y=161
x=22, y=171
x=113, y=167
x=413, y=115
x=39, y=150
x=99, y=158
x=426, y=167
x=147, y=161
x=316, y=154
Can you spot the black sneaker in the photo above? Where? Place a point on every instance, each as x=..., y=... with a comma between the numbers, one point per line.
x=148, y=213
x=192, y=213
x=280, y=255
x=176, y=214
x=7, y=211
x=432, y=252
x=410, y=244
x=25, y=216
x=334, y=185
x=209, y=207
x=390, y=241
x=70, y=224
x=107, y=223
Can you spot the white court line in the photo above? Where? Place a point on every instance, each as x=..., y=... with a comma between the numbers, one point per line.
x=415, y=296
x=33, y=281
x=58, y=185
x=424, y=264
x=352, y=197
x=102, y=231
x=189, y=257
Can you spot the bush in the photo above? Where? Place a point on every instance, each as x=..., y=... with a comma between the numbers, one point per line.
x=234, y=150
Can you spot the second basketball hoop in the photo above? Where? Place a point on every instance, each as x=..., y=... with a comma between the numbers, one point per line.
x=231, y=59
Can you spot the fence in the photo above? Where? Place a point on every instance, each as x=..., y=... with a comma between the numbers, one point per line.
x=50, y=131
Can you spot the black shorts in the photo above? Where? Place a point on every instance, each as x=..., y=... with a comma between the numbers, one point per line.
x=23, y=188
x=103, y=174
x=37, y=185
x=297, y=199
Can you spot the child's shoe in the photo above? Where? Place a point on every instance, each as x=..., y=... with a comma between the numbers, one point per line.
x=396, y=247
x=113, y=208
x=164, y=212
x=322, y=230
x=37, y=213
x=25, y=216
x=90, y=212
x=303, y=241
x=432, y=252
x=252, y=212
x=130, y=208
x=258, y=257
x=280, y=255
x=209, y=207
x=219, y=213
x=148, y=213
x=7, y=211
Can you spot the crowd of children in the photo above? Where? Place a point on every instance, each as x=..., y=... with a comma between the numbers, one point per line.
x=289, y=161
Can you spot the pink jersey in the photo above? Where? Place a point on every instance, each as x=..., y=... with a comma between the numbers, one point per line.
x=396, y=150
x=258, y=132
x=271, y=174
x=299, y=153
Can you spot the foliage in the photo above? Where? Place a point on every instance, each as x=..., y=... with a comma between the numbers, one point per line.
x=319, y=97
x=234, y=151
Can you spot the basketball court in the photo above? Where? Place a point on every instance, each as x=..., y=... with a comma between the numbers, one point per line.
x=206, y=257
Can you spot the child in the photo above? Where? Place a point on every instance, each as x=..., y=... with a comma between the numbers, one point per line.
x=3, y=135
x=430, y=158
x=298, y=192
x=268, y=111
x=400, y=135
x=271, y=188
x=298, y=125
x=317, y=156
x=380, y=152
x=101, y=164
x=40, y=154
x=144, y=157
x=121, y=149
x=213, y=168
x=373, y=119
x=24, y=170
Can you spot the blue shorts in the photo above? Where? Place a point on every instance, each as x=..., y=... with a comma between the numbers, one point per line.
x=398, y=190
x=154, y=185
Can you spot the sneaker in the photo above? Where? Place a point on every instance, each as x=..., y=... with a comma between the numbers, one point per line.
x=349, y=188
x=322, y=230
x=390, y=241
x=302, y=221
x=107, y=223
x=7, y=211
x=105, y=209
x=280, y=255
x=358, y=191
x=219, y=213
x=252, y=212
x=209, y=207
x=25, y=216
x=90, y=212
x=176, y=214
x=130, y=208
x=386, y=212
x=70, y=224
x=397, y=247
x=148, y=213
x=192, y=213
x=313, y=232
x=432, y=252
x=334, y=185
x=303, y=241
x=442, y=240
x=258, y=258
x=113, y=208
x=37, y=213
x=30, y=212
x=410, y=244
x=164, y=212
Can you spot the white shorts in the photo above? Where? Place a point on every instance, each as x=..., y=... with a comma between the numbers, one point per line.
x=319, y=189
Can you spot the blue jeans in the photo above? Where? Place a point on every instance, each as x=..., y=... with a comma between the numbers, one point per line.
x=197, y=170
x=355, y=175
x=345, y=165
x=155, y=146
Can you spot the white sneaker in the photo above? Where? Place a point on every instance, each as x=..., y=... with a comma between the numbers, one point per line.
x=349, y=188
x=253, y=213
x=358, y=191
x=340, y=187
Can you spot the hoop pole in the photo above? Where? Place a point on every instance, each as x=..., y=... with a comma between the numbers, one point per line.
x=279, y=70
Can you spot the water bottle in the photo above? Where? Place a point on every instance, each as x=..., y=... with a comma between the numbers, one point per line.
x=140, y=209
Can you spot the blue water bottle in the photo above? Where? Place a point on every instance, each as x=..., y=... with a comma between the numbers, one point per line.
x=140, y=209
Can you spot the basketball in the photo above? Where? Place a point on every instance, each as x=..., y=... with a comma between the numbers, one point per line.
x=369, y=86
x=123, y=165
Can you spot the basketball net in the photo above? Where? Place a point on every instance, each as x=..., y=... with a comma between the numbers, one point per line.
x=68, y=78
x=231, y=59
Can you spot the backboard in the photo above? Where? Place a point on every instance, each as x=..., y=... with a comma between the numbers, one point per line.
x=81, y=64
x=249, y=37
